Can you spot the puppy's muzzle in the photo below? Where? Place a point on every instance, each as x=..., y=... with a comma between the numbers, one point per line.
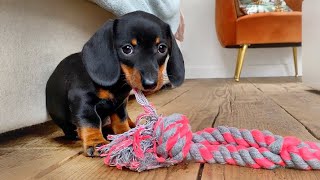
x=149, y=80
x=149, y=84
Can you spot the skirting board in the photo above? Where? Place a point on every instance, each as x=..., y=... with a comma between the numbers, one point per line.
x=312, y=84
x=272, y=70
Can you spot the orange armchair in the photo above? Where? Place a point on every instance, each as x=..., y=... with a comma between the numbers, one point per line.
x=258, y=30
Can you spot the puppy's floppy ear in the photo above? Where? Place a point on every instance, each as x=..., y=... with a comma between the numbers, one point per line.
x=100, y=58
x=175, y=65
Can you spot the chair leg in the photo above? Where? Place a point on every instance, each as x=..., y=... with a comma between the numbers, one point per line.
x=295, y=60
x=241, y=53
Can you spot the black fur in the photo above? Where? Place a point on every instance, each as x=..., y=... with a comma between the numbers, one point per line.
x=71, y=91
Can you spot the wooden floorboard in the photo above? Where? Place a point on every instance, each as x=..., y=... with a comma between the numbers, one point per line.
x=248, y=107
x=300, y=101
x=87, y=168
x=26, y=163
x=228, y=172
x=34, y=150
x=281, y=105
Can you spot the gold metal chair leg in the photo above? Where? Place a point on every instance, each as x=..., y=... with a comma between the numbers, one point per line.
x=241, y=53
x=295, y=59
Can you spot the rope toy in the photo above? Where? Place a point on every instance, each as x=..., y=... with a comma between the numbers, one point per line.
x=165, y=141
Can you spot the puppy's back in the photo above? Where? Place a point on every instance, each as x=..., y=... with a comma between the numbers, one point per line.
x=69, y=73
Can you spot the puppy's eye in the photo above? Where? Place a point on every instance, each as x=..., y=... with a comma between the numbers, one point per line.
x=127, y=49
x=162, y=48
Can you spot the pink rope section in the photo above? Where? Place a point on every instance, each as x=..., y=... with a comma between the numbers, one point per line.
x=165, y=141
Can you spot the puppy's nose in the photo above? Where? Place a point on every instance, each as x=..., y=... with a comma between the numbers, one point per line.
x=149, y=84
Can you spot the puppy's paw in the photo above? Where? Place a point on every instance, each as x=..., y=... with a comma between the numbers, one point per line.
x=90, y=149
x=131, y=123
x=91, y=139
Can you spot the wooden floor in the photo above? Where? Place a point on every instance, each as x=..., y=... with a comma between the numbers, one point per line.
x=282, y=105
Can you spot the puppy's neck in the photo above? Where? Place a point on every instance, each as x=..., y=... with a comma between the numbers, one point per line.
x=119, y=91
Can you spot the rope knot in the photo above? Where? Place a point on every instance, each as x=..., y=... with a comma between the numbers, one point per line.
x=173, y=135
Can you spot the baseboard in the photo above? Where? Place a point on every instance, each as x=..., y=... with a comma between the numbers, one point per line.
x=272, y=70
x=314, y=85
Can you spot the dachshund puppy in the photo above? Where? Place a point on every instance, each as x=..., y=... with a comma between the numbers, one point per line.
x=88, y=87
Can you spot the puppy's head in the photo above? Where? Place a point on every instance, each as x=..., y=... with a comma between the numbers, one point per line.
x=137, y=44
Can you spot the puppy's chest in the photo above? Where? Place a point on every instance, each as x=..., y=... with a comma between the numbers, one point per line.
x=112, y=99
x=104, y=94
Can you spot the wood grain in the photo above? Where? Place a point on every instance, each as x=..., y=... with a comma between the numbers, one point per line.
x=248, y=107
x=46, y=135
x=160, y=98
x=93, y=168
x=200, y=104
x=229, y=172
x=35, y=150
x=26, y=163
x=300, y=101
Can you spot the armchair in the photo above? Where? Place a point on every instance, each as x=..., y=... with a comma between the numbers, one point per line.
x=272, y=29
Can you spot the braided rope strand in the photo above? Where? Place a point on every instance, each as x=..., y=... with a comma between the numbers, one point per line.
x=165, y=141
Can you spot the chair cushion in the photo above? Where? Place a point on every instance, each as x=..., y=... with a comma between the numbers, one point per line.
x=262, y=6
x=273, y=27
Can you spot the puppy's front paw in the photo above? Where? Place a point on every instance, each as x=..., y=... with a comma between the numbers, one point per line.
x=91, y=138
x=131, y=123
x=91, y=150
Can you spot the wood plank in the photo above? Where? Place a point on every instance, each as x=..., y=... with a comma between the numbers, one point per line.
x=3, y=152
x=200, y=104
x=302, y=102
x=227, y=172
x=25, y=163
x=279, y=84
x=160, y=98
x=46, y=135
x=93, y=168
x=33, y=150
x=213, y=172
x=247, y=107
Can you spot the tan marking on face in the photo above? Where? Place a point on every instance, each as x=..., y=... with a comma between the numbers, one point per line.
x=160, y=77
x=104, y=94
x=133, y=76
x=134, y=42
x=157, y=40
x=118, y=126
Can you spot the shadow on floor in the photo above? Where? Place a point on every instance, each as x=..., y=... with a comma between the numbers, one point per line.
x=317, y=92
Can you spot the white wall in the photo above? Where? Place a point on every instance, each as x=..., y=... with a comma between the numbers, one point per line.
x=205, y=58
x=311, y=39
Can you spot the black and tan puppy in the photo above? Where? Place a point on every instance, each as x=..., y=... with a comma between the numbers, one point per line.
x=89, y=86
